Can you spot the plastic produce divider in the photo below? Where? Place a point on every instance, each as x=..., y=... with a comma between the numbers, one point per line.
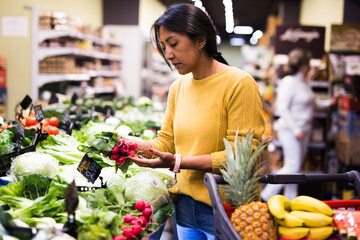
x=223, y=227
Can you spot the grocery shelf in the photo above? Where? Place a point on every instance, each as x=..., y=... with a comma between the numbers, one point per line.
x=48, y=34
x=319, y=84
x=50, y=52
x=44, y=78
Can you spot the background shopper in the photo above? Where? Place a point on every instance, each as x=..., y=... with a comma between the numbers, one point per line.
x=295, y=105
x=208, y=103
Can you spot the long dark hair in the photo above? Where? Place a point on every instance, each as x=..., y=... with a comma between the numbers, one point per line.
x=191, y=20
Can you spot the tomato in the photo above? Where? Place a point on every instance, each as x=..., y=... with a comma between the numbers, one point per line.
x=30, y=121
x=54, y=121
x=53, y=131
x=45, y=122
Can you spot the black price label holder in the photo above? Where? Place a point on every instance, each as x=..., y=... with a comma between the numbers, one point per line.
x=39, y=114
x=25, y=103
x=89, y=168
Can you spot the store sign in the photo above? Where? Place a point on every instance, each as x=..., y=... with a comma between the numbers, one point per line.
x=345, y=37
x=289, y=37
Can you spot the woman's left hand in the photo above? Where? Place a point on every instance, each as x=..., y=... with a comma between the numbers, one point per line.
x=164, y=160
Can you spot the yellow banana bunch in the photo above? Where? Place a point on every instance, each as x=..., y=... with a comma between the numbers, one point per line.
x=320, y=233
x=303, y=217
x=312, y=219
x=293, y=233
x=278, y=204
x=310, y=204
x=290, y=221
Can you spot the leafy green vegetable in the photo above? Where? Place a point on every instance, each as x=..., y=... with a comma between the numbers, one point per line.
x=164, y=213
x=94, y=232
x=63, y=147
x=34, y=162
x=46, y=206
x=35, y=186
x=6, y=219
x=149, y=187
x=91, y=129
x=6, y=144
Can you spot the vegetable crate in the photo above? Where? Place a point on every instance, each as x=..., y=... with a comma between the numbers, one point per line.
x=5, y=159
x=223, y=228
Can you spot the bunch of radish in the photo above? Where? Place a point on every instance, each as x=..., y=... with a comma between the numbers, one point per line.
x=122, y=150
x=135, y=224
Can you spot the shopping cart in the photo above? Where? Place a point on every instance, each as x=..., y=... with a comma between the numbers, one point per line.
x=223, y=228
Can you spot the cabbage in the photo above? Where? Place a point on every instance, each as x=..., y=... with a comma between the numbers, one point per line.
x=123, y=130
x=34, y=162
x=149, y=187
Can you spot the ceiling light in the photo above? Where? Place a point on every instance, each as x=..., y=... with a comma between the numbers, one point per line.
x=257, y=34
x=253, y=40
x=243, y=30
x=198, y=3
x=236, y=41
x=229, y=16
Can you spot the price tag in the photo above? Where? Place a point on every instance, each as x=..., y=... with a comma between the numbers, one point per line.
x=25, y=103
x=78, y=112
x=89, y=168
x=19, y=127
x=67, y=115
x=39, y=114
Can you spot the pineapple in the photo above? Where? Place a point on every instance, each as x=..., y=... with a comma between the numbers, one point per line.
x=251, y=218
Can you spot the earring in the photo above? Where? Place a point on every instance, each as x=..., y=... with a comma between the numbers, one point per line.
x=200, y=48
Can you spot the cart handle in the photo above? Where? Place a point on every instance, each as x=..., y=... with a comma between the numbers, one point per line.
x=353, y=177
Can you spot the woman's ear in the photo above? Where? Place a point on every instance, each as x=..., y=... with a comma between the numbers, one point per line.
x=201, y=41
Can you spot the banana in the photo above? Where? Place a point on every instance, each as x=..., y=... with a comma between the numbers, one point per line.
x=277, y=205
x=312, y=219
x=310, y=204
x=290, y=221
x=320, y=232
x=293, y=233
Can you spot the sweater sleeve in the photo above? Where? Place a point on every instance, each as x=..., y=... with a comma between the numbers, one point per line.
x=244, y=113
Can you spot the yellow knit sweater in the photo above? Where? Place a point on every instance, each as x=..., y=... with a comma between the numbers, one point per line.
x=200, y=113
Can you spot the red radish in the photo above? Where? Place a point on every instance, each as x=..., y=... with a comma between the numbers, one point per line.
x=139, y=205
x=128, y=218
x=115, y=149
x=121, y=161
x=130, y=153
x=136, y=229
x=142, y=221
x=121, y=142
x=147, y=205
x=134, y=222
x=115, y=156
x=118, y=238
x=128, y=232
x=123, y=149
x=133, y=146
x=147, y=212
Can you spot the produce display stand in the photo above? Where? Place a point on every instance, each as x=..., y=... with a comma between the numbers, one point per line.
x=223, y=228
x=5, y=159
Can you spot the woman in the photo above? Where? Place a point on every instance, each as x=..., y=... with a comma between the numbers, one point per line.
x=209, y=102
x=295, y=105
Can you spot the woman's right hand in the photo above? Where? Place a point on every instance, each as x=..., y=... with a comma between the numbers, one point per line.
x=163, y=160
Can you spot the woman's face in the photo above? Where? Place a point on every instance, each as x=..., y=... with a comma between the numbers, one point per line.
x=180, y=50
